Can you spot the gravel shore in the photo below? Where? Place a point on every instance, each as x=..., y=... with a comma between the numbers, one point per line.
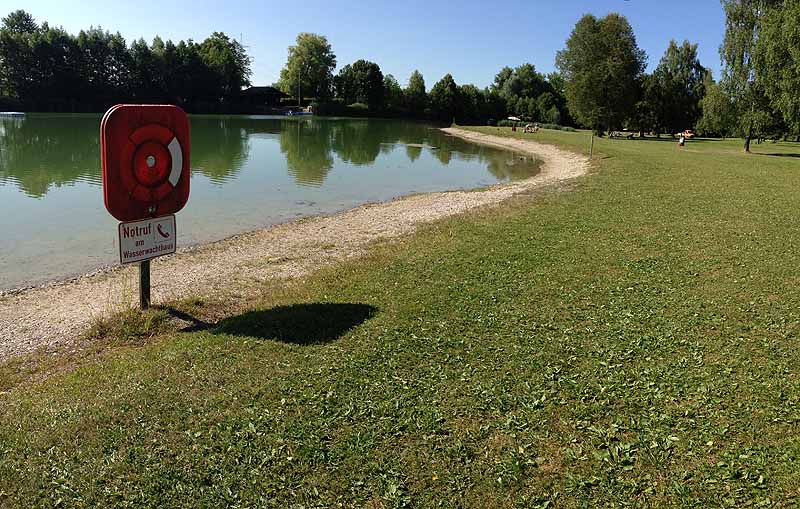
x=54, y=316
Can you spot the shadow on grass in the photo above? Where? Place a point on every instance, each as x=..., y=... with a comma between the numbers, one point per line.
x=300, y=324
x=781, y=155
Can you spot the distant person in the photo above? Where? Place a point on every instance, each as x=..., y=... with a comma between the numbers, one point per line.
x=682, y=140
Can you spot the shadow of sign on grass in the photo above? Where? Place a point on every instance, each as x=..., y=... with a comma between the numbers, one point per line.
x=300, y=324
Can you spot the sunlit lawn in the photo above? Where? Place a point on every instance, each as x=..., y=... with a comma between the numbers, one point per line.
x=627, y=339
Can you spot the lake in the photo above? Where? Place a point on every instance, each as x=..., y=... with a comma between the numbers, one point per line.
x=247, y=173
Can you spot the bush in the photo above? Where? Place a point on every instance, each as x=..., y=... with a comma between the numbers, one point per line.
x=557, y=127
x=339, y=109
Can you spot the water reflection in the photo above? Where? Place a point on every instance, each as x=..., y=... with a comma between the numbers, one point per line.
x=56, y=151
x=359, y=142
x=308, y=151
x=220, y=147
x=40, y=152
x=413, y=152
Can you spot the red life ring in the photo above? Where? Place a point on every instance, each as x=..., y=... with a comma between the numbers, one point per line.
x=151, y=163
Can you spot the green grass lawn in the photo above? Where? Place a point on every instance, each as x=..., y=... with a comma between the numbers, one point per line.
x=628, y=339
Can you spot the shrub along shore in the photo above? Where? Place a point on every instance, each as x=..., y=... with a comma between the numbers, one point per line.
x=632, y=340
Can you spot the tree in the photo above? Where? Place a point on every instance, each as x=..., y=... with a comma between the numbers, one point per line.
x=445, y=99
x=472, y=104
x=677, y=86
x=501, y=78
x=601, y=65
x=229, y=64
x=361, y=82
x=521, y=89
x=395, y=100
x=644, y=116
x=309, y=68
x=145, y=72
x=495, y=105
x=416, y=96
x=719, y=114
x=557, y=83
x=191, y=73
x=46, y=68
x=20, y=22
x=557, y=86
x=776, y=56
x=545, y=104
x=170, y=68
x=742, y=77
x=525, y=81
x=16, y=62
x=106, y=67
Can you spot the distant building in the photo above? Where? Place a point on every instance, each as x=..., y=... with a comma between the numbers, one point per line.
x=261, y=98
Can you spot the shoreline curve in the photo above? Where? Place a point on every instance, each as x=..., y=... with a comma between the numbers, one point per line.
x=56, y=314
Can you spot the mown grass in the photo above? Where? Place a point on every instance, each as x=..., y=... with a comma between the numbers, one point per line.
x=631, y=342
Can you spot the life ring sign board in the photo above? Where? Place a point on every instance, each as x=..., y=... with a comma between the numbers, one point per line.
x=145, y=154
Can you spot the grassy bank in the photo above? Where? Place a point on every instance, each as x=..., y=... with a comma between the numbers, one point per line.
x=633, y=341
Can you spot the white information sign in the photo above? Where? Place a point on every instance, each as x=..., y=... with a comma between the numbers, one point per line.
x=146, y=239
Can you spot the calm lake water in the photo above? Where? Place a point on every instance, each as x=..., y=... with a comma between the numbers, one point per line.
x=247, y=173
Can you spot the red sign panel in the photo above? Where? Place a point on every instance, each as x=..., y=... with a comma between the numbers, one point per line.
x=145, y=153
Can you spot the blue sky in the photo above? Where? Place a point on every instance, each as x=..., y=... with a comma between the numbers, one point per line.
x=470, y=39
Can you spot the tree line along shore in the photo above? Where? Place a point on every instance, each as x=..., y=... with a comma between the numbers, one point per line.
x=600, y=84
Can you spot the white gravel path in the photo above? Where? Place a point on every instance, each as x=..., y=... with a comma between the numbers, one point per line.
x=54, y=316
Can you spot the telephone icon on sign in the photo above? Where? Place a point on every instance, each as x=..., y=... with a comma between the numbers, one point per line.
x=161, y=232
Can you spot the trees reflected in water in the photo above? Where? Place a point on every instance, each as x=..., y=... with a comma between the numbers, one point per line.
x=220, y=147
x=51, y=152
x=38, y=153
x=307, y=147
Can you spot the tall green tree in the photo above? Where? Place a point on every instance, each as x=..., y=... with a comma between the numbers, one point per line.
x=601, y=65
x=495, y=105
x=395, y=100
x=776, y=55
x=416, y=95
x=679, y=80
x=361, y=82
x=20, y=22
x=106, y=66
x=524, y=81
x=309, y=68
x=472, y=104
x=229, y=63
x=145, y=73
x=501, y=78
x=16, y=61
x=742, y=77
x=719, y=113
x=445, y=99
x=529, y=93
x=642, y=115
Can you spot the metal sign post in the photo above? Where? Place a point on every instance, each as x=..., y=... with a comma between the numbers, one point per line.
x=145, y=154
x=144, y=284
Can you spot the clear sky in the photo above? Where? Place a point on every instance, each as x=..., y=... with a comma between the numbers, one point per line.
x=471, y=39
